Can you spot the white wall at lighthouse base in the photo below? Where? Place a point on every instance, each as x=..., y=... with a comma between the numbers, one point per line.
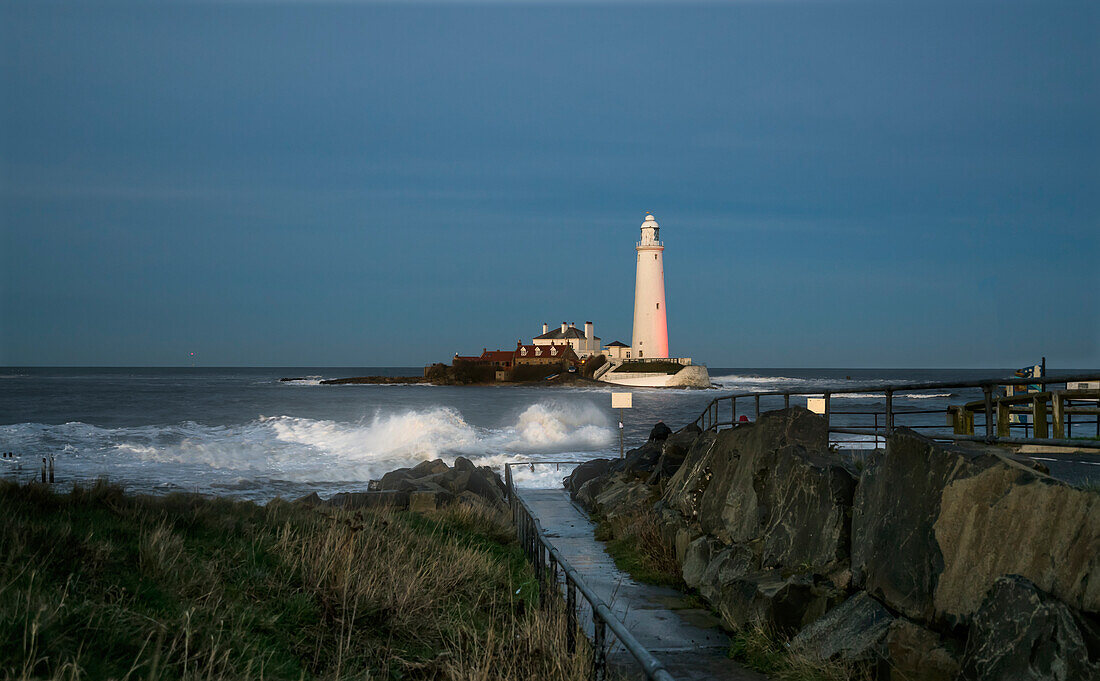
x=694, y=376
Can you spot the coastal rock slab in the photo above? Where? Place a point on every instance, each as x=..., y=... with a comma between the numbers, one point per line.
x=685, y=488
x=895, y=555
x=854, y=631
x=393, y=499
x=917, y=654
x=1008, y=519
x=1020, y=633
x=784, y=603
x=768, y=486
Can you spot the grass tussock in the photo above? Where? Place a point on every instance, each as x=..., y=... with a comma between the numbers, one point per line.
x=635, y=542
x=768, y=653
x=98, y=584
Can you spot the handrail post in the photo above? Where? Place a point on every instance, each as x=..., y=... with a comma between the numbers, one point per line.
x=757, y=417
x=889, y=412
x=733, y=418
x=599, y=653
x=570, y=615
x=988, y=412
x=828, y=410
x=786, y=400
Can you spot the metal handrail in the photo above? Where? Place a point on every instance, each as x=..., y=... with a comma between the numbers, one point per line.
x=709, y=419
x=546, y=559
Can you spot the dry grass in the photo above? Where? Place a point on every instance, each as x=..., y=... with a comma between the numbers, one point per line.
x=97, y=584
x=769, y=653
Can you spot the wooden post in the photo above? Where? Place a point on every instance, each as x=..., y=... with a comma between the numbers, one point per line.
x=1058, y=406
x=968, y=421
x=988, y=412
x=1039, y=416
x=1003, y=426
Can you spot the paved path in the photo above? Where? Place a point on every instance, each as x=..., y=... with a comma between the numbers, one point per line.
x=685, y=638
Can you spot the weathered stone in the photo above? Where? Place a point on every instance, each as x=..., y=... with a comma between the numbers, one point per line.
x=727, y=564
x=399, y=479
x=428, y=468
x=854, y=631
x=585, y=472
x=587, y=493
x=425, y=501
x=383, y=499
x=685, y=488
x=673, y=453
x=310, y=500
x=782, y=603
x=623, y=495
x=696, y=559
x=895, y=556
x=768, y=486
x=486, y=484
x=1021, y=633
x=1008, y=519
x=642, y=461
x=917, y=654
x=464, y=464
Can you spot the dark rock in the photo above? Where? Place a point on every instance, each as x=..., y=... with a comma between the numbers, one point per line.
x=641, y=462
x=673, y=453
x=587, y=493
x=310, y=500
x=1020, y=633
x=399, y=479
x=486, y=484
x=623, y=495
x=768, y=486
x=768, y=598
x=895, y=556
x=428, y=468
x=384, y=499
x=585, y=472
x=685, y=488
x=854, y=631
x=660, y=432
x=464, y=464
x=935, y=526
x=917, y=654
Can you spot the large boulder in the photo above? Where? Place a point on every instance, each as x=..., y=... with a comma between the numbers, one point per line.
x=854, y=631
x=686, y=486
x=641, y=462
x=777, y=483
x=1009, y=519
x=585, y=472
x=673, y=452
x=933, y=526
x=895, y=555
x=1021, y=633
x=775, y=600
x=862, y=631
x=623, y=495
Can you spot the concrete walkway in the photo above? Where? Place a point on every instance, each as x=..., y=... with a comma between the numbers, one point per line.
x=684, y=637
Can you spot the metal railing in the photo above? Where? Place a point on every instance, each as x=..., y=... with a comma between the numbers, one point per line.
x=996, y=410
x=555, y=574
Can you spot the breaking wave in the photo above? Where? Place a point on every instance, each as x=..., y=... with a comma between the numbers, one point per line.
x=290, y=449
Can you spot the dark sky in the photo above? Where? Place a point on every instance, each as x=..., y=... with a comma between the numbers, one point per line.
x=863, y=184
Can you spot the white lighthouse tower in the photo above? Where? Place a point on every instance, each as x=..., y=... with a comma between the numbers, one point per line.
x=650, y=324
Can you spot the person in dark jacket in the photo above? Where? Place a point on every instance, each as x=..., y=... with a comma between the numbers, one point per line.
x=660, y=432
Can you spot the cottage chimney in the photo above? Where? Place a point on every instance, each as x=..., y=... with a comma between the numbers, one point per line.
x=589, y=331
x=564, y=327
x=545, y=327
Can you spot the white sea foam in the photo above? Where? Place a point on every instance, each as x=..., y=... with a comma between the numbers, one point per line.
x=310, y=451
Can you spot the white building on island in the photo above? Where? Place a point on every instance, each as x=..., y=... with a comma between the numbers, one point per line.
x=585, y=343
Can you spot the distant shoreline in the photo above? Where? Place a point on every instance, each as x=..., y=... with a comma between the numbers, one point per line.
x=563, y=378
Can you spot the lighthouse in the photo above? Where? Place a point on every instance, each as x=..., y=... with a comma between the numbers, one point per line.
x=650, y=325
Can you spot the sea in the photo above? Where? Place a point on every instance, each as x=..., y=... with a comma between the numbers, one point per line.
x=243, y=432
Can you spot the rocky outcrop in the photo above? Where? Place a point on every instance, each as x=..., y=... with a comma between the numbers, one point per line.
x=929, y=550
x=425, y=487
x=1021, y=633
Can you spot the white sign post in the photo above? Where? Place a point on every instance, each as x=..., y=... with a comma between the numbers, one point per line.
x=621, y=401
